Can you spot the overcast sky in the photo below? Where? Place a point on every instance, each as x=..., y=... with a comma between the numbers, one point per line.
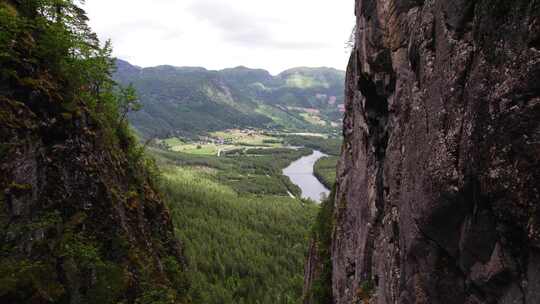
x=216, y=34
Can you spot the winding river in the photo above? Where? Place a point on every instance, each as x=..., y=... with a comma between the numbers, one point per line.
x=301, y=173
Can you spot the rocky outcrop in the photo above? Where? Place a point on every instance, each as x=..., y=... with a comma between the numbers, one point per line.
x=438, y=184
x=311, y=271
x=81, y=220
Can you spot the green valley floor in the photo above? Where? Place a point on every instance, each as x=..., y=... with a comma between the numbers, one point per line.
x=246, y=239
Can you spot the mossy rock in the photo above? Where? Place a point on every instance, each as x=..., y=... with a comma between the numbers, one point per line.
x=11, y=117
x=67, y=116
x=112, y=281
x=19, y=189
x=22, y=280
x=4, y=150
x=8, y=9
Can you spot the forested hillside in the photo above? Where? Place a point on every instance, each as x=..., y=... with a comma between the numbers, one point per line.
x=80, y=218
x=188, y=101
x=245, y=237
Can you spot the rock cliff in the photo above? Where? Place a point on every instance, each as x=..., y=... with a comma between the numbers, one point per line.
x=77, y=224
x=80, y=219
x=438, y=185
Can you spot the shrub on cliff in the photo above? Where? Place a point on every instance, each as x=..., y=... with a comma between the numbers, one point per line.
x=80, y=219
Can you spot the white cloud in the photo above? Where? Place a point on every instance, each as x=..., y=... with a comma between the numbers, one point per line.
x=274, y=35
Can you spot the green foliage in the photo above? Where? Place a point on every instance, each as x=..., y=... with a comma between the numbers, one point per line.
x=325, y=170
x=287, y=120
x=321, y=292
x=25, y=279
x=160, y=295
x=82, y=255
x=111, y=283
x=128, y=101
x=177, y=275
x=79, y=248
x=365, y=291
x=257, y=171
x=47, y=48
x=242, y=248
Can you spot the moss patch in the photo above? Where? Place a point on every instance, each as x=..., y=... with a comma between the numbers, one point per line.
x=22, y=280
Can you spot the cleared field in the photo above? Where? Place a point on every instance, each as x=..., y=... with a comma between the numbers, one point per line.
x=245, y=137
x=223, y=141
x=313, y=119
x=200, y=149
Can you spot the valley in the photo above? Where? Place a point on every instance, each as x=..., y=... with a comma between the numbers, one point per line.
x=252, y=161
x=222, y=140
x=244, y=223
x=411, y=178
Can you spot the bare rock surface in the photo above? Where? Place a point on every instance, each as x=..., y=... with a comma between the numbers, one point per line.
x=437, y=196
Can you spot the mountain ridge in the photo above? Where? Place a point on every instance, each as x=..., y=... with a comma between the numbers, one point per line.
x=239, y=67
x=190, y=101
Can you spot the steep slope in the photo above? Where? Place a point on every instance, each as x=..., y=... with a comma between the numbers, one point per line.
x=185, y=101
x=80, y=221
x=191, y=101
x=437, y=192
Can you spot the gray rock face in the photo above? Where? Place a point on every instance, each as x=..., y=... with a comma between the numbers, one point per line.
x=311, y=271
x=438, y=186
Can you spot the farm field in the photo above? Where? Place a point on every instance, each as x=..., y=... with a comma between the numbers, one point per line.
x=221, y=142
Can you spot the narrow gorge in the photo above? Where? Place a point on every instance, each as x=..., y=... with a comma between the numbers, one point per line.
x=438, y=183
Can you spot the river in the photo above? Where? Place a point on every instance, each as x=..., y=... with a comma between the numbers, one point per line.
x=301, y=173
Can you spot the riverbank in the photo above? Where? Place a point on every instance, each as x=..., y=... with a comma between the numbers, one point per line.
x=253, y=171
x=325, y=170
x=301, y=173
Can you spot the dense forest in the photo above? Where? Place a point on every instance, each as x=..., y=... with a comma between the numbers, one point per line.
x=246, y=239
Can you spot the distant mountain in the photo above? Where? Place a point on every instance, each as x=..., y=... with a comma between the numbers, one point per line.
x=190, y=101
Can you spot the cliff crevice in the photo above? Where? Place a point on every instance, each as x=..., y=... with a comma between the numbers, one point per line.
x=437, y=191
